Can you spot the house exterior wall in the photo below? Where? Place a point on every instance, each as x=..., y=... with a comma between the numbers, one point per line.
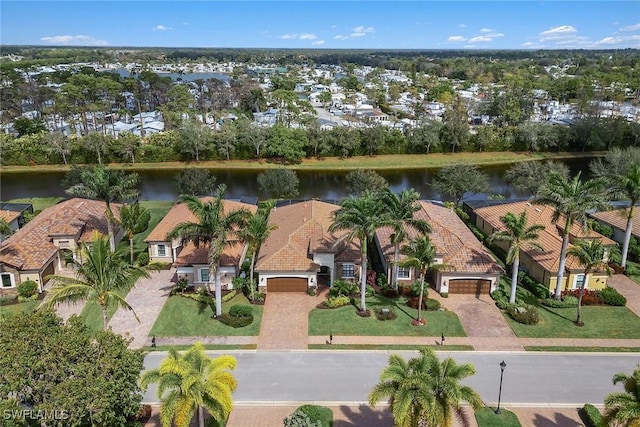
x=170, y=251
x=326, y=260
x=192, y=274
x=15, y=280
x=264, y=277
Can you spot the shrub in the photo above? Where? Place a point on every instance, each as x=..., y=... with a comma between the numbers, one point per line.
x=371, y=277
x=182, y=285
x=240, y=310
x=526, y=314
x=382, y=280
x=591, y=415
x=312, y=292
x=385, y=314
x=369, y=291
x=611, y=296
x=300, y=419
x=568, y=301
x=143, y=258
x=632, y=270
x=235, y=322
x=414, y=290
x=230, y=295
x=335, y=302
x=342, y=287
x=444, y=294
x=318, y=414
x=590, y=297
x=432, y=304
x=499, y=294
x=27, y=289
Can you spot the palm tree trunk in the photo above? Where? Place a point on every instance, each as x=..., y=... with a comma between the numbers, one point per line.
x=514, y=278
x=131, y=248
x=251, y=285
x=396, y=257
x=563, y=260
x=200, y=416
x=363, y=274
x=423, y=273
x=627, y=237
x=104, y=317
x=112, y=239
x=580, y=295
x=218, y=294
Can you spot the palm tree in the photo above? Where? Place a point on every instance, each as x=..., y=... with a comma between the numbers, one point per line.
x=212, y=227
x=421, y=254
x=108, y=185
x=361, y=218
x=571, y=199
x=194, y=381
x=402, y=209
x=102, y=276
x=425, y=391
x=623, y=409
x=134, y=219
x=254, y=234
x=5, y=228
x=519, y=236
x=592, y=255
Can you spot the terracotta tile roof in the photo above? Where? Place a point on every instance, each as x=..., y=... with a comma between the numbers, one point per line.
x=8, y=215
x=31, y=247
x=550, y=239
x=179, y=213
x=302, y=230
x=618, y=218
x=191, y=255
x=454, y=242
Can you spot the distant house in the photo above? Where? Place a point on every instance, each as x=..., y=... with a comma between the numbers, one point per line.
x=38, y=249
x=617, y=219
x=301, y=251
x=190, y=260
x=474, y=270
x=543, y=266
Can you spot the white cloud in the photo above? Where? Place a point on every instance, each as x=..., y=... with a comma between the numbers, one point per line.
x=363, y=29
x=340, y=37
x=623, y=40
x=359, y=31
x=480, y=39
x=532, y=45
x=289, y=36
x=635, y=27
x=79, y=40
x=334, y=27
x=456, y=39
x=185, y=23
x=493, y=35
x=307, y=36
x=357, y=34
x=462, y=26
x=161, y=28
x=485, y=30
x=318, y=43
x=555, y=33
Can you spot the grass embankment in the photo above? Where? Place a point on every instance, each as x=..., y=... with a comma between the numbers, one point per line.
x=388, y=347
x=389, y=161
x=486, y=417
x=583, y=349
x=39, y=203
x=345, y=321
x=186, y=347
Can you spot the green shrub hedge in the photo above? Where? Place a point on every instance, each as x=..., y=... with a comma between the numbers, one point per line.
x=335, y=302
x=591, y=415
x=611, y=296
x=526, y=314
x=240, y=310
x=27, y=289
x=432, y=304
x=235, y=322
x=317, y=414
x=568, y=301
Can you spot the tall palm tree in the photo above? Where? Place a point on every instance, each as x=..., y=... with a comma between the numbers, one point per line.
x=108, y=185
x=213, y=228
x=100, y=277
x=421, y=254
x=425, y=391
x=194, y=382
x=5, y=229
x=402, y=209
x=592, y=255
x=519, y=236
x=623, y=409
x=134, y=219
x=254, y=234
x=361, y=218
x=571, y=199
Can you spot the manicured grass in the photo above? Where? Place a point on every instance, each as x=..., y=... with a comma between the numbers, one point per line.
x=388, y=347
x=600, y=321
x=345, y=321
x=92, y=313
x=486, y=417
x=391, y=161
x=23, y=307
x=635, y=278
x=206, y=347
x=584, y=349
x=184, y=317
x=39, y=203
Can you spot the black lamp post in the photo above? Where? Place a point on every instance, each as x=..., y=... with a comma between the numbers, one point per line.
x=502, y=366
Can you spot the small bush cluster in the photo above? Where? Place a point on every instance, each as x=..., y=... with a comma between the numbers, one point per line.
x=342, y=287
x=299, y=419
x=537, y=289
x=239, y=316
x=335, y=302
x=432, y=305
x=385, y=314
x=611, y=296
x=526, y=314
x=632, y=270
x=568, y=301
x=590, y=296
x=27, y=291
x=591, y=415
x=318, y=414
x=240, y=310
x=444, y=294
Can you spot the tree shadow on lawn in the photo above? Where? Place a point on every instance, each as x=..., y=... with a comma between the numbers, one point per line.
x=398, y=303
x=555, y=313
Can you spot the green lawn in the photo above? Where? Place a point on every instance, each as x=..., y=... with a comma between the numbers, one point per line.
x=583, y=349
x=486, y=417
x=92, y=314
x=38, y=203
x=600, y=321
x=345, y=321
x=388, y=347
x=182, y=317
x=635, y=278
x=23, y=307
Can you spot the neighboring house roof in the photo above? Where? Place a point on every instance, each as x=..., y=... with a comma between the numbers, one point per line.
x=31, y=247
x=199, y=255
x=9, y=215
x=550, y=238
x=303, y=230
x=618, y=218
x=454, y=242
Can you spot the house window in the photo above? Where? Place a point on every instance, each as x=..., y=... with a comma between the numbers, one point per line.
x=204, y=275
x=579, y=283
x=162, y=250
x=348, y=270
x=404, y=273
x=7, y=280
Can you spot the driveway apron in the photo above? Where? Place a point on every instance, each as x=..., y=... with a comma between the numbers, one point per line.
x=147, y=299
x=628, y=288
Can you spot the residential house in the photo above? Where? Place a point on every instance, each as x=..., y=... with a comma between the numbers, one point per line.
x=301, y=252
x=473, y=270
x=617, y=219
x=39, y=248
x=191, y=261
x=543, y=265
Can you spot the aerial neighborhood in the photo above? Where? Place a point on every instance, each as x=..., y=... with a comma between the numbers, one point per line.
x=162, y=225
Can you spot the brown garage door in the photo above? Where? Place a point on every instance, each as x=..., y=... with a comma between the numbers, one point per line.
x=469, y=286
x=287, y=284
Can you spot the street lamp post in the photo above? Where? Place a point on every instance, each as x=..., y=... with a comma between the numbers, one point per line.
x=502, y=366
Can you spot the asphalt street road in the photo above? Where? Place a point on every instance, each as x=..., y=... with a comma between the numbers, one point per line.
x=558, y=379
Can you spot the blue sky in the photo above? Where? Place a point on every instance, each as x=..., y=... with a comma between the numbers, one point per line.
x=325, y=24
